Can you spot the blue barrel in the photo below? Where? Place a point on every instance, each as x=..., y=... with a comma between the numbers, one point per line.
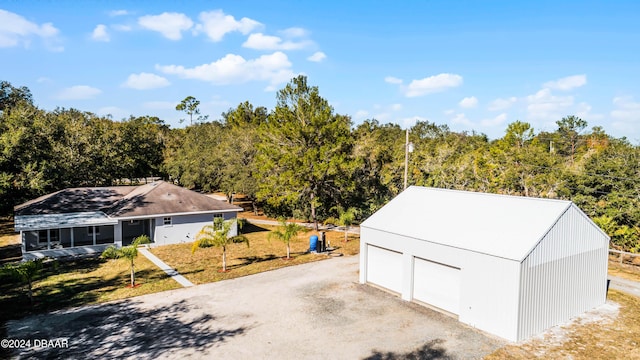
x=313, y=243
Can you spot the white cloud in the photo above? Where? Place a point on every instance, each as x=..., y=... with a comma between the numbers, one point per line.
x=216, y=24
x=145, y=81
x=16, y=30
x=317, y=56
x=567, y=83
x=79, y=92
x=118, y=12
x=583, y=111
x=433, y=84
x=502, y=104
x=392, y=80
x=460, y=118
x=44, y=80
x=545, y=105
x=396, y=107
x=468, y=102
x=294, y=32
x=170, y=25
x=260, y=41
x=361, y=114
x=121, y=27
x=498, y=120
x=234, y=69
x=449, y=112
x=160, y=105
x=100, y=33
x=626, y=109
x=113, y=111
x=410, y=121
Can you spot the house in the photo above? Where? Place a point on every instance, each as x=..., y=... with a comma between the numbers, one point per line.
x=87, y=220
x=510, y=266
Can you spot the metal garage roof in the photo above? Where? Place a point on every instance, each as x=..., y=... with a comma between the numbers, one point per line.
x=499, y=225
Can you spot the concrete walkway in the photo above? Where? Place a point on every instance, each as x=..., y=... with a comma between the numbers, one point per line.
x=166, y=268
x=628, y=286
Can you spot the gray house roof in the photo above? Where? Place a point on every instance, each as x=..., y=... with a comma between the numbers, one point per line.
x=105, y=205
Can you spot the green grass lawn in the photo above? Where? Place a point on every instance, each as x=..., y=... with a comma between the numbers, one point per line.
x=80, y=282
x=262, y=255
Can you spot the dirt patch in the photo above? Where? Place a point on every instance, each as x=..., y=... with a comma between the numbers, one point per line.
x=611, y=331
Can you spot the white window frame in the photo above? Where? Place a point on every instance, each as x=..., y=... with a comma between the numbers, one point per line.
x=90, y=230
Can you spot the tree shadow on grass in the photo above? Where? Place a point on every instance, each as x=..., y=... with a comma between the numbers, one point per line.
x=10, y=253
x=248, y=260
x=252, y=228
x=429, y=351
x=122, y=329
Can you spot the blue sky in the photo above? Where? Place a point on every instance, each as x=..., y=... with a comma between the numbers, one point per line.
x=469, y=64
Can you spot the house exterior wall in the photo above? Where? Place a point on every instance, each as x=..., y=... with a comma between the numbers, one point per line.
x=184, y=228
x=565, y=275
x=488, y=284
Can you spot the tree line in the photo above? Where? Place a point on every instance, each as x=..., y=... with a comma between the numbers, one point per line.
x=303, y=160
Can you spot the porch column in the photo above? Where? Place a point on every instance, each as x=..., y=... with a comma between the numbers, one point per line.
x=72, y=236
x=94, y=235
x=117, y=234
x=24, y=243
x=48, y=239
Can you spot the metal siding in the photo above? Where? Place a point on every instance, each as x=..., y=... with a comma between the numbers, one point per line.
x=564, y=276
x=491, y=222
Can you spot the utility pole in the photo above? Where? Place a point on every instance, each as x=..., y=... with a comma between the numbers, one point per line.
x=408, y=147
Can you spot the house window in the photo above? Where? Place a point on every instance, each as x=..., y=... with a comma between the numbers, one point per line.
x=166, y=221
x=91, y=229
x=42, y=237
x=53, y=236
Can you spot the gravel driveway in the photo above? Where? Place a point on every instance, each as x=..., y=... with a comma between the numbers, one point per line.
x=311, y=311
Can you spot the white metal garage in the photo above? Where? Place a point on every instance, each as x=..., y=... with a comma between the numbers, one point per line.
x=511, y=266
x=437, y=284
x=384, y=268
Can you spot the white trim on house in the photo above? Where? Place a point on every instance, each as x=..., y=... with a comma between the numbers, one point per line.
x=174, y=214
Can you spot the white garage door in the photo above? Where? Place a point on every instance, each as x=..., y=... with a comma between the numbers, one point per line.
x=384, y=268
x=437, y=284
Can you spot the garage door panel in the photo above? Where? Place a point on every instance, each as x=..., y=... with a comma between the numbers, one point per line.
x=437, y=284
x=384, y=268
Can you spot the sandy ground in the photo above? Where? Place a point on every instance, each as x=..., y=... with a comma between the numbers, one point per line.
x=311, y=311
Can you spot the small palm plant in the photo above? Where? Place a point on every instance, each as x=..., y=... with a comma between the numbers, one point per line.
x=129, y=252
x=345, y=218
x=217, y=235
x=286, y=232
x=26, y=272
